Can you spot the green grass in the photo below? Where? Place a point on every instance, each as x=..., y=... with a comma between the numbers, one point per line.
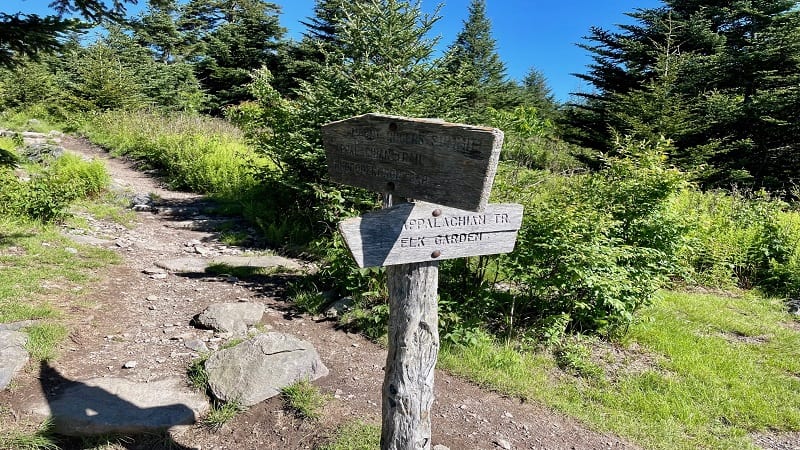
x=198, y=376
x=199, y=154
x=355, y=436
x=35, y=266
x=43, y=340
x=712, y=370
x=221, y=414
x=40, y=439
x=304, y=399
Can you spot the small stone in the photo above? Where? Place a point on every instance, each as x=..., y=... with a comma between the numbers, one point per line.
x=196, y=345
x=440, y=447
x=504, y=444
x=153, y=271
x=508, y=414
x=151, y=307
x=74, y=251
x=152, y=298
x=158, y=276
x=129, y=365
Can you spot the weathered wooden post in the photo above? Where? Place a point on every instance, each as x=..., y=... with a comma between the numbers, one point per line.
x=426, y=160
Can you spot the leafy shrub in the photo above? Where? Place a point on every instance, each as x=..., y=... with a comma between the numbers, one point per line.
x=595, y=246
x=48, y=194
x=530, y=140
x=738, y=239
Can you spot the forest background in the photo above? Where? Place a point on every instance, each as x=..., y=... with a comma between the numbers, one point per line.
x=678, y=169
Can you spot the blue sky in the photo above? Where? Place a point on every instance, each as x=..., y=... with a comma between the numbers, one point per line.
x=529, y=33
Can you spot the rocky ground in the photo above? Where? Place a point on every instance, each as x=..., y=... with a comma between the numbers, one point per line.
x=133, y=338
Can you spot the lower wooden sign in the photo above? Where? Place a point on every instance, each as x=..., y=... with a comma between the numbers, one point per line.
x=419, y=232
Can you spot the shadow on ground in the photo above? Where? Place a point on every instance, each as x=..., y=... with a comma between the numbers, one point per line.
x=91, y=412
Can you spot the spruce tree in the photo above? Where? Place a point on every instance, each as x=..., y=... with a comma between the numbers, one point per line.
x=715, y=77
x=475, y=69
x=232, y=38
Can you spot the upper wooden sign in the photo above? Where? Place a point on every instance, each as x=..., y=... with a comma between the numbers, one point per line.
x=424, y=159
x=419, y=232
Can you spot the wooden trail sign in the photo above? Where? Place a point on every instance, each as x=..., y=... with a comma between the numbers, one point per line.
x=420, y=232
x=424, y=159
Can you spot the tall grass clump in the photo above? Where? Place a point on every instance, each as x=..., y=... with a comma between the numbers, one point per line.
x=50, y=189
x=194, y=153
x=744, y=240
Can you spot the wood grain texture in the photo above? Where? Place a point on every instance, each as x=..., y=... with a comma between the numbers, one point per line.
x=418, y=232
x=413, y=349
x=424, y=159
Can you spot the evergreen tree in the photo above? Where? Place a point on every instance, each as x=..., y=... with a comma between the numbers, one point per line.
x=716, y=77
x=157, y=29
x=29, y=34
x=475, y=68
x=235, y=37
x=536, y=93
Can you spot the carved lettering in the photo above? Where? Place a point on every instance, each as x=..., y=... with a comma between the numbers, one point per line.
x=450, y=239
x=412, y=242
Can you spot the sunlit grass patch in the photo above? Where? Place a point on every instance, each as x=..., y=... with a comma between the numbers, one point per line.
x=355, y=436
x=304, y=399
x=703, y=389
x=36, y=264
x=43, y=340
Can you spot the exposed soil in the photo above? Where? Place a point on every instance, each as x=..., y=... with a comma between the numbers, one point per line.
x=127, y=315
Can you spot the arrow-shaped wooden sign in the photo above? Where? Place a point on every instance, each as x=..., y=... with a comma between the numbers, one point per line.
x=419, y=232
x=425, y=159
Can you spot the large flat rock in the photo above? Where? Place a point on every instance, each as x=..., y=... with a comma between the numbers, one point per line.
x=184, y=265
x=266, y=262
x=116, y=405
x=13, y=355
x=258, y=368
x=198, y=264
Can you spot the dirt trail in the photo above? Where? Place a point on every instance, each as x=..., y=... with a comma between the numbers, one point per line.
x=130, y=316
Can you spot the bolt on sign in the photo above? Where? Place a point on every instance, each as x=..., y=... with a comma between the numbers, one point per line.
x=417, y=232
x=424, y=159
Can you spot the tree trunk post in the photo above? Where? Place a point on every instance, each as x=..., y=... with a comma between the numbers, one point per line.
x=411, y=359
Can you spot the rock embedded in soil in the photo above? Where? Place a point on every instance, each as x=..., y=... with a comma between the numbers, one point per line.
x=263, y=262
x=116, y=405
x=339, y=307
x=13, y=355
x=184, y=265
x=258, y=368
x=231, y=317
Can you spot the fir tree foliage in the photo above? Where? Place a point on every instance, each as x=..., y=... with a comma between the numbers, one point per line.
x=716, y=77
x=157, y=29
x=475, y=69
x=232, y=38
x=27, y=35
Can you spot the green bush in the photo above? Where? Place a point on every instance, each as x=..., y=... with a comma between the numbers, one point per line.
x=48, y=194
x=595, y=246
x=743, y=240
